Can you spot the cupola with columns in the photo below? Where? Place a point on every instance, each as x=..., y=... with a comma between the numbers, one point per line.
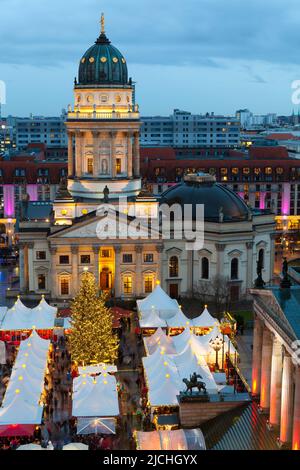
x=103, y=127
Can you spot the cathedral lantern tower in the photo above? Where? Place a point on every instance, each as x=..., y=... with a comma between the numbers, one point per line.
x=103, y=128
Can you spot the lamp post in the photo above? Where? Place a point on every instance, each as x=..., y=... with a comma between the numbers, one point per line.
x=216, y=344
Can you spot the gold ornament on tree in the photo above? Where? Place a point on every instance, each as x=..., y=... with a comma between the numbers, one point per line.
x=92, y=338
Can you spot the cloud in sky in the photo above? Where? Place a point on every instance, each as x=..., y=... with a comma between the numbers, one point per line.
x=196, y=37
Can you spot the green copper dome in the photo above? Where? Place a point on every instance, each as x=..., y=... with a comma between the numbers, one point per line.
x=103, y=64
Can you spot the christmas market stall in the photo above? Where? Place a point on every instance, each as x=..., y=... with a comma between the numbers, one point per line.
x=181, y=439
x=19, y=321
x=95, y=403
x=22, y=406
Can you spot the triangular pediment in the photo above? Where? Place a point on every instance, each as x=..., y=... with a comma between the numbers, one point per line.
x=111, y=225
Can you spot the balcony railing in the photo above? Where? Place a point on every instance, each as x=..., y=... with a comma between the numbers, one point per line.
x=104, y=116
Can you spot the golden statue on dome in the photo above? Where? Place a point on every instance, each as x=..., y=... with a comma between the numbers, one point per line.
x=102, y=22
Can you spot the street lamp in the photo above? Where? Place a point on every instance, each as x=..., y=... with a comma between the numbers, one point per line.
x=216, y=344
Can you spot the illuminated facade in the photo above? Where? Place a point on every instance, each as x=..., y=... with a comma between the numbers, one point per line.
x=103, y=166
x=276, y=364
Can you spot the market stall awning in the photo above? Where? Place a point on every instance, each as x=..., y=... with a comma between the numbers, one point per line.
x=205, y=320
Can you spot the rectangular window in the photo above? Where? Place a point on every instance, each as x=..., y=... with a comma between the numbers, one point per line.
x=118, y=166
x=64, y=286
x=127, y=285
x=148, y=284
x=105, y=253
x=41, y=255
x=127, y=258
x=64, y=259
x=85, y=259
x=90, y=166
x=148, y=258
x=41, y=282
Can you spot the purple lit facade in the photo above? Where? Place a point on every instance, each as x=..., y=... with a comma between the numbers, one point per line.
x=9, y=200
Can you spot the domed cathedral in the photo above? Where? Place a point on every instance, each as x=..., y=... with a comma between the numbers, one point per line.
x=103, y=166
x=103, y=128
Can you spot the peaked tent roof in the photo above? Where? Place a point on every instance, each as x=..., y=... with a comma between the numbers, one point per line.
x=205, y=320
x=160, y=302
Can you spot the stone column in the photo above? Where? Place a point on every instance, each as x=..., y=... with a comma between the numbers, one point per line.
x=272, y=257
x=257, y=355
x=220, y=247
x=296, y=424
x=139, y=279
x=30, y=267
x=74, y=280
x=78, y=154
x=129, y=155
x=53, y=287
x=276, y=379
x=113, y=154
x=96, y=264
x=70, y=154
x=136, y=154
x=118, y=290
x=96, y=160
x=286, y=422
x=266, y=369
x=159, y=250
x=26, y=267
x=249, y=281
x=22, y=267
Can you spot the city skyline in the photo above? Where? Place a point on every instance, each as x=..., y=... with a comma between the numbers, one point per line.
x=249, y=60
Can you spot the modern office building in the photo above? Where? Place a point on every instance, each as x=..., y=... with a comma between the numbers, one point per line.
x=50, y=131
x=183, y=129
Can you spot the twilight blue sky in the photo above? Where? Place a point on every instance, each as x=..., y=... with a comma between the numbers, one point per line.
x=197, y=55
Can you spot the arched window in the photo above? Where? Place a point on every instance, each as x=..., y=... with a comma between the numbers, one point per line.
x=234, y=268
x=205, y=268
x=261, y=257
x=173, y=266
x=127, y=284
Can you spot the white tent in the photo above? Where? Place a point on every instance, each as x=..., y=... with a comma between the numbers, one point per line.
x=3, y=311
x=205, y=320
x=97, y=369
x=20, y=317
x=100, y=399
x=19, y=411
x=179, y=320
x=180, y=439
x=21, y=400
x=152, y=320
x=164, y=395
x=159, y=340
x=2, y=352
x=75, y=446
x=159, y=302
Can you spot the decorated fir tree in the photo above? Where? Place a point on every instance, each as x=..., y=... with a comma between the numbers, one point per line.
x=92, y=337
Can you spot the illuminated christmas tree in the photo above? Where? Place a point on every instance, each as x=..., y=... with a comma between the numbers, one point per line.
x=92, y=338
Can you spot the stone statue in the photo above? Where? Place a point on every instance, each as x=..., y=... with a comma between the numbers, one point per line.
x=285, y=281
x=259, y=282
x=106, y=194
x=194, y=383
x=284, y=267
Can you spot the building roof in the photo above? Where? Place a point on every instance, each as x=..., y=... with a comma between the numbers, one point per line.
x=241, y=429
x=216, y=198
x=103, y=64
